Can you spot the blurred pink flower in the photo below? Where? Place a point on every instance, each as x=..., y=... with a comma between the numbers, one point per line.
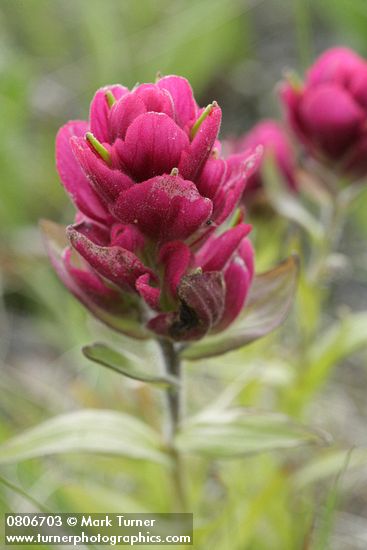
x=272, y=136
x=328, y=112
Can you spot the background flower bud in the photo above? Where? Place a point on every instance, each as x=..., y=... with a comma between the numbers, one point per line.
x=328, y=113
x=272, y=136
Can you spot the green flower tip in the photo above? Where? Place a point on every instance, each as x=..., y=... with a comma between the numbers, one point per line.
x=294, y=80
x=202, y=117
x=215, y=153
x=110, y=98
x=236, y=218
x=98, y=147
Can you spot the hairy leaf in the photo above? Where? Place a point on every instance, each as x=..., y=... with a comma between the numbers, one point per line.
x=87, y=431
x=238, y=432
x=124, y=364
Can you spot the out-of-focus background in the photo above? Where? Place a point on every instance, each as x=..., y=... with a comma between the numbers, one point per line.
x=54, y=54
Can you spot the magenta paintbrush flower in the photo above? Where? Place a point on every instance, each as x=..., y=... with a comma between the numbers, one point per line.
x=273, y=137
x=152, y=195
x=328, y=112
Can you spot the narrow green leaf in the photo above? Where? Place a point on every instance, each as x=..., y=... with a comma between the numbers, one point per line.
x=86, y=431
x=329, y=464
x=123, y=364
x=269, y=302
x=14, y=488
x=239, y=432
x=344, y=337
x=327, y=519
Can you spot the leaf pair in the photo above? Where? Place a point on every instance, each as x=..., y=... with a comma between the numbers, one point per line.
x=226, y=434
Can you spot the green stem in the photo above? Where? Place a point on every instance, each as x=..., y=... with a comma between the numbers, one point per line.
x=174, y=415
x=334, y=223
x=25, y=495
x=302, y=15
x=333, y=230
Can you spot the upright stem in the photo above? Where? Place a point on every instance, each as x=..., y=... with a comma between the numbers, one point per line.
x=173, y=367
x=174, y=412
x=333, y=231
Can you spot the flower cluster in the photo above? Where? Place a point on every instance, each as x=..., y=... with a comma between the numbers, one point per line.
x=328, y=113
x=153, y=195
